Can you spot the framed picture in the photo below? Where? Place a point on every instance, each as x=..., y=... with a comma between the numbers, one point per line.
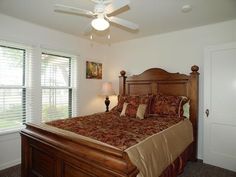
x=93, y=70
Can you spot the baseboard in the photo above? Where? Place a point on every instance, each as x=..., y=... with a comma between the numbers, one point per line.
x=10, y=164
x=199, y=156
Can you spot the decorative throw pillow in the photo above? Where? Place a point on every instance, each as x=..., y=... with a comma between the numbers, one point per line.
x=165, y=105
x=131, y=110
x=134, y=100
x=124, y=109
x=146, y=99
x=141, y=111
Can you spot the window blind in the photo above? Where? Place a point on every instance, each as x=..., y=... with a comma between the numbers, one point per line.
x=56, y=86
x=12, y=87
x=28, y=93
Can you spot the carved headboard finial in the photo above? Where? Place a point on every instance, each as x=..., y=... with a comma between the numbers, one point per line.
x=194, y=68
x=122, y=73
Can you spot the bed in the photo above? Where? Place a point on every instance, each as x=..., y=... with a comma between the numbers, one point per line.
x=49, y=151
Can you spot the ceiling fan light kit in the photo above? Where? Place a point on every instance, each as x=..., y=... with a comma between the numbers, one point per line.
x=102, y=13
x=100, y=23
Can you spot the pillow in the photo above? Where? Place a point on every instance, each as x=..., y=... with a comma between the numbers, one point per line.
x=124, y=109
x=134, y=100
x=131, y=110
x=166, y=105
x=121, y=100
x=146, y=99
x=126, y=98
x=141, y=111
x=186, y=110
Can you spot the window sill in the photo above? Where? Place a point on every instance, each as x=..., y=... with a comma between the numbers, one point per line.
x=11, y=131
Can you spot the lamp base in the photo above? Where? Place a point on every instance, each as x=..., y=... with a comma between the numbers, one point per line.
x=107, y=102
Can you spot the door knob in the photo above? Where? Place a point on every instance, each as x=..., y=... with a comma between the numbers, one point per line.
x=207, y=112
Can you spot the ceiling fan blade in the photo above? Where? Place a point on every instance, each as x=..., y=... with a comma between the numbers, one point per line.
x=74, y=10
x=124, y=23
x=116, y=5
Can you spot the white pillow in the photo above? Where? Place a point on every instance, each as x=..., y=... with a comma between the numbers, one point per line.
x=141, y=111
x=186, y=109
x=124, y=109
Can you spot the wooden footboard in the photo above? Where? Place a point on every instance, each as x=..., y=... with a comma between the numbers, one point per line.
x=50, y=154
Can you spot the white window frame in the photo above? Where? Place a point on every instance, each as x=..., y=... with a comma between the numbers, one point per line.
x=72, y=81
x=24, y=85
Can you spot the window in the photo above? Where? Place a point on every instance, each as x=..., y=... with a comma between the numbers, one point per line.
x=28, y=93
x=56, y=86
x=12, y=87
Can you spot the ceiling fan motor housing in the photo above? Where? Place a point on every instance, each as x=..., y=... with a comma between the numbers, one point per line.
x=99, y=8
x=102, y=1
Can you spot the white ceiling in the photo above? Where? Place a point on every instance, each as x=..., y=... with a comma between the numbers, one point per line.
x=152, y=16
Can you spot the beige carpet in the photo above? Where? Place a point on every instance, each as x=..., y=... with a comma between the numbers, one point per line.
x=198, y=169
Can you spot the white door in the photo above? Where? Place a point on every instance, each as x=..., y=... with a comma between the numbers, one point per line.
x=220, y=100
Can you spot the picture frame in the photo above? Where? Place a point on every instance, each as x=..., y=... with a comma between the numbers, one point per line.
x=93, y=70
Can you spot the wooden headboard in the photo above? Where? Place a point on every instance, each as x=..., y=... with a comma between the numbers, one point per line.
x=156, y=80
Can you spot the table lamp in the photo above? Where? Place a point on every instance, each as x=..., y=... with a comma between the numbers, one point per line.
x=107, y=91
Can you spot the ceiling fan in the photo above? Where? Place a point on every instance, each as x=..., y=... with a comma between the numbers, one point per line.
x=102, y=14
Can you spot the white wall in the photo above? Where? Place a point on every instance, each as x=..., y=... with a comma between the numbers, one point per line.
x=9, y=150
x=14, y=30
x=175, y=52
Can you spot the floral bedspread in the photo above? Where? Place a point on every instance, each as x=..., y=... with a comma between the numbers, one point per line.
x=110, y=128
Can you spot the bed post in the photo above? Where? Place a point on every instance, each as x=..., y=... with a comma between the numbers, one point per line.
x=25, y=156
x=194, y=84
x=122, y=80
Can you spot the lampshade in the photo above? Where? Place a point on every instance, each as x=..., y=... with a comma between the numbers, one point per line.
x=100, y=24
x=107, y=89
